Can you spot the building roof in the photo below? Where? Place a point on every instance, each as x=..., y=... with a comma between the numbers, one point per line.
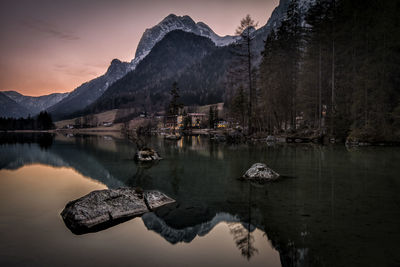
x=196, y=114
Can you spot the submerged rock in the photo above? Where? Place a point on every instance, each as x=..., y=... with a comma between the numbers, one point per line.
x=260, y=172
x=101, y=209
x=235, y=137
x=219, y=138
x=172, y=137
x=270, y=138
x=146, y=155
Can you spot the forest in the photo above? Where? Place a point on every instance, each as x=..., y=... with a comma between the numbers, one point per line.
x=333, y=72
x=43, y=121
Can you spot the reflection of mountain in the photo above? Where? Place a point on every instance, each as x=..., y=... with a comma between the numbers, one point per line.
x=15, y=156
x=187, y=234
x=185, y=174
x=307, y=219
x=59, y=155
x=241, y=232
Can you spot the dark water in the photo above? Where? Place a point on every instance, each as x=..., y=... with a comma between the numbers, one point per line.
x=337, y=207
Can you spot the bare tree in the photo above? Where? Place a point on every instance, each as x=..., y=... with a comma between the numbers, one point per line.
x=245, y=29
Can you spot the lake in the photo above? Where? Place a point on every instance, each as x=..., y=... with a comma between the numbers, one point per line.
x=335, y=206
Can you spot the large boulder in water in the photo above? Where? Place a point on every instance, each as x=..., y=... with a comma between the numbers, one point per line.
x=147, y=155
x=260, y=172
x=101, y=209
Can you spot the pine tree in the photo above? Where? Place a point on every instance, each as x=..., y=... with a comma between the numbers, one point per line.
x=239, y=106
x=175, y=105
x=279, y=71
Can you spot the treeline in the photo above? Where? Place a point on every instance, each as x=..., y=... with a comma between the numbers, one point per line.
x=43, y=121
x=334, y=71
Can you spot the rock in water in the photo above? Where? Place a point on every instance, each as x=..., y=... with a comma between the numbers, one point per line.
x=146, y=155
x=101, y=209
x=270, y=138
x=260, y=172
x=156, y=199
x=172, y=137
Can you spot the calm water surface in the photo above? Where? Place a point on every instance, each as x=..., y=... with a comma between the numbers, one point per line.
x=337, y=207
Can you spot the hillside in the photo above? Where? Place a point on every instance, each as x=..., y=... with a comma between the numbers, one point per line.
x=148, y=85
x=10, y=108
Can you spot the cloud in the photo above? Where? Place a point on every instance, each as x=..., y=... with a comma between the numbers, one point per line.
x=47, y=28
x=75, y=71
x=98, y=65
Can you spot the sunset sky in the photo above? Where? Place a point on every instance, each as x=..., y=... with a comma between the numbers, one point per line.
x=50, y=46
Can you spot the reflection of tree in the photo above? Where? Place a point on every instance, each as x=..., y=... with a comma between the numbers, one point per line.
x=140, y=175
x=242, y=235
x=175, y=177
x=45, y=140
x=243, y=238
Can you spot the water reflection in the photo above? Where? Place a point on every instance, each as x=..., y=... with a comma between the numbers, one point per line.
x=44, y=140
x=141, y=173
x=175, y=234
x=243, y=238
x=339, y=199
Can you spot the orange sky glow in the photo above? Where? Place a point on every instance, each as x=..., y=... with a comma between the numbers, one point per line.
x=53, y=46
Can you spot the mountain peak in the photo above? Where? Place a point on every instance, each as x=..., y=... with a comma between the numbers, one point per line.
x=115, y=61
x=173, y=22
x=172, y=15
x=117, y=67
x=33, y=104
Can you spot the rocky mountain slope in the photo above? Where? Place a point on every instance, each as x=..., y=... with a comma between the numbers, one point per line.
x=124, y=80
x=148, y=85
x=202, y=80
x=88, y=92
x=171, y=23
x=10, y=108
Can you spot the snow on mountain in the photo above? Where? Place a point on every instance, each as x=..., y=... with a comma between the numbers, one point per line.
x=304, y=5
x=172, y=22
x=278, y=15
x=88, y=92
x=11, y=109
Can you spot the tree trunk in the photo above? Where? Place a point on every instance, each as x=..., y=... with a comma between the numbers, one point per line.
x=320, y=88
x=250, y=84
x=333, y=86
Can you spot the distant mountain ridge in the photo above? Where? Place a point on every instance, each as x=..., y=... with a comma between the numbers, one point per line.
x=201, y=82
x=11, y=109
x=148, y=85
x=172, y=22
x=36, y=104
x=88, y=93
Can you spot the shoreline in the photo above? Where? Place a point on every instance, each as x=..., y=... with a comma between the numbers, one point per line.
x=214, y=135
